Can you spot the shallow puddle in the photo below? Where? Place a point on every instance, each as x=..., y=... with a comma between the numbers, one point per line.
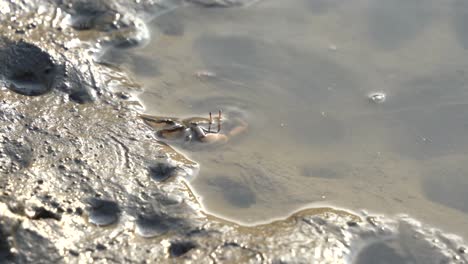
x=301, y=74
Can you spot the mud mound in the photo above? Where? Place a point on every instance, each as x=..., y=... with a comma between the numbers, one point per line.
x=28, y=70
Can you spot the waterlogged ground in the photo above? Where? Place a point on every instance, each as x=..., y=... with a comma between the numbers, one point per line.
x=300, y=74
x=83, y=179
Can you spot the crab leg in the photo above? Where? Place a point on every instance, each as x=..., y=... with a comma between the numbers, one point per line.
x=172, y=133
x=219, y=121
x=209, y=124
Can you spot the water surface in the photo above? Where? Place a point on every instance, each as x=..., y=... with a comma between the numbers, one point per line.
x=300, y=74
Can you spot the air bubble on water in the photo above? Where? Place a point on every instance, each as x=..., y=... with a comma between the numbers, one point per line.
x=205, y=74
x=377, y=97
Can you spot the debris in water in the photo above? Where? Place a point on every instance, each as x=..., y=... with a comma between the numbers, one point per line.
x=377, y=97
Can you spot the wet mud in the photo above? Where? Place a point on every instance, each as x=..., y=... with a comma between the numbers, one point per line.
x=84, y=179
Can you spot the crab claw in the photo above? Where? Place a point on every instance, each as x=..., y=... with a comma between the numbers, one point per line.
x=214, y=138
x=172, y=133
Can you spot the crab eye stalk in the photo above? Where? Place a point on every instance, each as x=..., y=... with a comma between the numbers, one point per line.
x=209, y=123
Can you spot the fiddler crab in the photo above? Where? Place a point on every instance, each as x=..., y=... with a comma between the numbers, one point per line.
x=195, y=128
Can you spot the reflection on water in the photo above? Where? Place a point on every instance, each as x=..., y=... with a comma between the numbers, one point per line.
x=237, y=194
x=300, y=73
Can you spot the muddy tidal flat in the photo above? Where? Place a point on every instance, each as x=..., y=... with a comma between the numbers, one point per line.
x=330, y=143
